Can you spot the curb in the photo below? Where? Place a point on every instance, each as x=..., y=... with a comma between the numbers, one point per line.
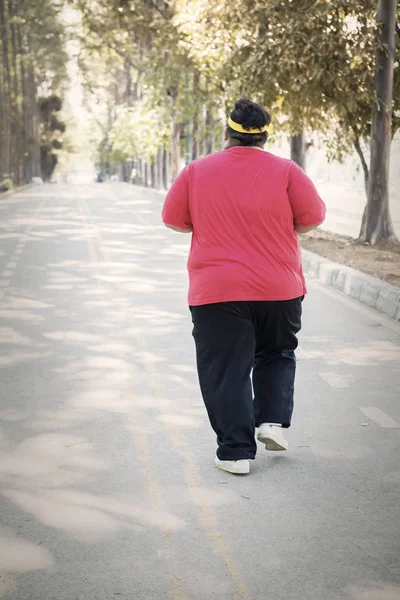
x=362, y=287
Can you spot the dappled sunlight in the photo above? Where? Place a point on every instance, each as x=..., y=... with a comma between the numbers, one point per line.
x=12, y=415
x=91, y=516
x=373, y=591
x=152, y=331
x=99, y=303
x=113, y=278
x=102, y=399
x=17, y=302
x=182, y=382
x=60, y=286
x=75, y=372
x=17, y=358
x=24, y=309
x=18, y=311
x=370, y=353
x=158, y=317
x=74, y=336
x=183, y=368
x=107, y=362
x=65, y=264
x=19, y=555
x=199, y=411
x=114, y=348
x=49, y=459
x=34, y=474
x=9, y=336
x=95, y=291
x=61, y=419
x=142, y=287
x=149, y=357
x=179, y=420
x=66, y=278
x=38, y=235
x=346, y=450
x=175, y=250
x=89, y=363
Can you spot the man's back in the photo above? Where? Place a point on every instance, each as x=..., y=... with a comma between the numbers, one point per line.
x=243, y=203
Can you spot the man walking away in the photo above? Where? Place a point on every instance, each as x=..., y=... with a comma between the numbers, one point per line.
x=244, y=207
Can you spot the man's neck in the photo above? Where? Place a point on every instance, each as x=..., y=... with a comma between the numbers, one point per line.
x=233, y=144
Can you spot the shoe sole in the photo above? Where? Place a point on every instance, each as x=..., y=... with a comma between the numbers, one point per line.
x=271, y=444
x=223, y=468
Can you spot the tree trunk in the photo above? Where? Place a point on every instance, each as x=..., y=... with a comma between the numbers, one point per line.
x=128, y=83
x=176, y=149
x=17, y=99
x=27, y=176
x=360, y=153
x=210, y=137
x=165, y=177
x=195, y=122
x=188, y=143
x=2, y=105
x=153, y=176
x=34, y=132
x=6, y=91
x=195, y=134
x=298, y=149
x=159, y=168
x=146, y=174
x=139, y=175
x=378, y=223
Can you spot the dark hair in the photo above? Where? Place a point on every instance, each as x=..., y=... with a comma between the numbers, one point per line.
x=250, y=115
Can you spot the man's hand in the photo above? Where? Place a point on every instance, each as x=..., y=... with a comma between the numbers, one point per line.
x=179, y=229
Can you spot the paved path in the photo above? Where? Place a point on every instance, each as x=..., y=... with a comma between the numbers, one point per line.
x=108, y=488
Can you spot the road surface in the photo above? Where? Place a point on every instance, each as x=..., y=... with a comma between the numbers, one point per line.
x=108, y=487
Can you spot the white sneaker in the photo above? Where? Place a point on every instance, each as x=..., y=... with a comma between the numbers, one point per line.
x=239, y=467
x=272, y=437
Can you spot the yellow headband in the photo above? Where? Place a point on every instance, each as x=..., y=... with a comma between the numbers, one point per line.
x=237, y=127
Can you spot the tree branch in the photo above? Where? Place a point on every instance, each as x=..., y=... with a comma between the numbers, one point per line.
x=360, y=153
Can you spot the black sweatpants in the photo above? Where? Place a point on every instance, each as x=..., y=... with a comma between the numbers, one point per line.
x=232, y=340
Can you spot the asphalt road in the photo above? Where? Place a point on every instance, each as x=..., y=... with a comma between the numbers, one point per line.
x=108, y=487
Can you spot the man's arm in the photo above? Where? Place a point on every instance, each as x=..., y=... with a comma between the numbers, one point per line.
x=176, y=211
x=179, y=229
x=307, y=206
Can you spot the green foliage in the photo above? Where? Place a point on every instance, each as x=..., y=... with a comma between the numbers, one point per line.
x=139, y=131
x=51, y=128
x=312, y=62
x=6, y=184
x=32, y=72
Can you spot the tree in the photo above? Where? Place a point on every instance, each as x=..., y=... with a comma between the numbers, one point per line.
x=51, y=130
x=377, y=223
x=32, y=66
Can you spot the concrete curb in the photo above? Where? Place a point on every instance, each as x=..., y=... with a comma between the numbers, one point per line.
x=366, y=289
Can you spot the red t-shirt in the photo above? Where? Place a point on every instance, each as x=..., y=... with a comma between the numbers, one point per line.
x=243, y=204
